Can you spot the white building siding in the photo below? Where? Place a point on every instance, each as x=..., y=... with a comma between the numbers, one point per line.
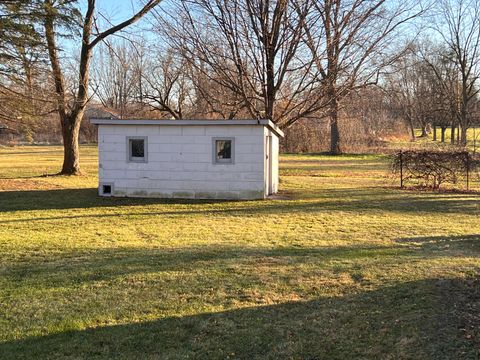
x=271, y=147
x=275, y=161
x=180, y=161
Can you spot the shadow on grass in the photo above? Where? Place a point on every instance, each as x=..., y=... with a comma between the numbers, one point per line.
x=329, y=155
x=76, y=198
x=428, y=319
x=345, y=200
x=83, y=267
x=27, y=177
x=468, y=244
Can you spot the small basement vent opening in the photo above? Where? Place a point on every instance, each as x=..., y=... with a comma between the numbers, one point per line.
x=106, y=189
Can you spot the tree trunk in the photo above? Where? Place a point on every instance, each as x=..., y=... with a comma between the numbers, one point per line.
x=463, y=137
x=434, y=132
x=443, y=134
x=335, y=148
x=412, y=129
x=452, y=134
x=463, y=123
x=70, y=119
x=71, y=153
x=424, y=130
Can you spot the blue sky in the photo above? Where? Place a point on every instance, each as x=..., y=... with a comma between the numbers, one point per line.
x=116, y=10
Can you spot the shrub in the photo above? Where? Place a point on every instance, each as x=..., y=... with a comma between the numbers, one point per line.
x=433, y=168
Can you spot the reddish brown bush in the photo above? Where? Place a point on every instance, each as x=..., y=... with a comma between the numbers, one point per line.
x=431, y=169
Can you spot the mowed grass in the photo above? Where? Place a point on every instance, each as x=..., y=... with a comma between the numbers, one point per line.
x=341, y=265
x=473, y=136
x=473, y=139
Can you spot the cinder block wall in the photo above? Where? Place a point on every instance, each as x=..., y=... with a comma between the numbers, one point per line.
x=180, y=162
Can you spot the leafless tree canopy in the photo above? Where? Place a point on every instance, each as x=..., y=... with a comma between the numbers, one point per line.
x=458, y=25
x=286, y=60
x=329, y=72
x=247, y=58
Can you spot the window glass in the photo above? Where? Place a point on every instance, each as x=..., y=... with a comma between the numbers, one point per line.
x=137, y=148
x=224, y=150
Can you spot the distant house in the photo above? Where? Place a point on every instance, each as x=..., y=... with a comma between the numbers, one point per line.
x=88, y=132
x=201, y=159
x=99, y=111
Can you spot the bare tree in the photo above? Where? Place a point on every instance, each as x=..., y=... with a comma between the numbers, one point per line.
x=351, y=42
x=71, y=112
x=458, y=24
x=413, y=89
x=447, y=87
x=248, y=57
x=167, y=84
x=116, y=75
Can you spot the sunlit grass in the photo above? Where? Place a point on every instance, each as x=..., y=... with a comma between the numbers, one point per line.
x=473, y=140
x=341, y=265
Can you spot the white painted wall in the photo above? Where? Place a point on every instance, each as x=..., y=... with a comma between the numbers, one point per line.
x=275, y=161
x=180, y=162
x=275, y=146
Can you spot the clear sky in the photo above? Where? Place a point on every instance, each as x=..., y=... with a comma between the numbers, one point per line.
x=116, y=9
x=113, y=12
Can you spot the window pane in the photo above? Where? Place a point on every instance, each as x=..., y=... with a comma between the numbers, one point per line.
x=137, y=147
x=224, y=149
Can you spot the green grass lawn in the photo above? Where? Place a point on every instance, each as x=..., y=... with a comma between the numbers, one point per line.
x=473, y=139
x=342, y=265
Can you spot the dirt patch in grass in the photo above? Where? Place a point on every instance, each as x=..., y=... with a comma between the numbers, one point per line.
x=26, y=185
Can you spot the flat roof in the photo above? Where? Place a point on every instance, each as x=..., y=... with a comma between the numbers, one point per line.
x=263, y=122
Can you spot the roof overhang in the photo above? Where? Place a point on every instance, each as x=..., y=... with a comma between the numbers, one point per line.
x=267, y=123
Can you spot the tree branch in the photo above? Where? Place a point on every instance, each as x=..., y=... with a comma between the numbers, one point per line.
x=148, y=6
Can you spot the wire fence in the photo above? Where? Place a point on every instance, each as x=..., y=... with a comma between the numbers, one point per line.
x=433, y=169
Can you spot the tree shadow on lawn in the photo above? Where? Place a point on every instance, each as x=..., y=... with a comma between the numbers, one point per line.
x=59, y=199
x=347, y=200
x=426, y=319
x=467, y=244
x=91, y=265
x=87, y=266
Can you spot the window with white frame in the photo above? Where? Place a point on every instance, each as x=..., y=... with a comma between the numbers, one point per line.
x=137, y=149
x=223, y=150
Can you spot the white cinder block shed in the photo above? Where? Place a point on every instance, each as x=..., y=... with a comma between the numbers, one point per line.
x=193, y=159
